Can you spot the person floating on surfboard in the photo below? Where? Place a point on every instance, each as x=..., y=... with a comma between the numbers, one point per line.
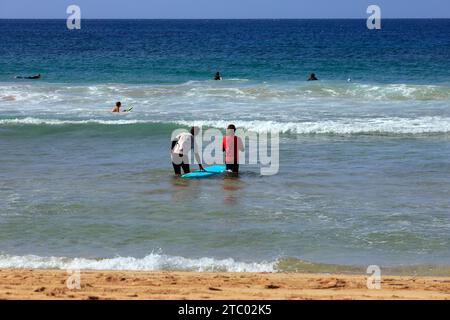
x=181, y=145
x=231, y=144
x=116, y=108
x=217, y=76
x=37, y=76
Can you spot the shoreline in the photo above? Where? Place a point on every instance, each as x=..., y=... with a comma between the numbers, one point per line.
x=50, y=284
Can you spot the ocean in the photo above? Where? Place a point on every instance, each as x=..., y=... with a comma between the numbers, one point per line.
x=364, y=176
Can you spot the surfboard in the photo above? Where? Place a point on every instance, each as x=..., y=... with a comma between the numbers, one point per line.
x=128, y=110
x=210, y=171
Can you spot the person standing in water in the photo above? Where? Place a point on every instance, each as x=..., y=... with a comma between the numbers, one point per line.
x=181, y=145
x=116, y=108
x=312, y=77
x=217, y=76
x=231, y=144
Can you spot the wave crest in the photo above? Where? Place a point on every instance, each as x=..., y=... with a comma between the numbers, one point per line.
x=151, y=262
x=373, y=126
x=344, y=126
x=239, y=89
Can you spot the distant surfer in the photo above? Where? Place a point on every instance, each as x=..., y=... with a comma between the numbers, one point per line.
x=217, y=76
x=116, y=108
x=36, y=76
x=181, y=145
x=231, y=144
x=312, y=77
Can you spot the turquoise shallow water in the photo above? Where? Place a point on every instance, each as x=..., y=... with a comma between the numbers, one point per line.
x=364, y=165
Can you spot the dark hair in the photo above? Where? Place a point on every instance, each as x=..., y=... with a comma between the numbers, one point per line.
x=194, y=130
x=231, y=127
x=118, y=103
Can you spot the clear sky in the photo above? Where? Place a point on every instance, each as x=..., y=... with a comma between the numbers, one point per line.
x=216, y=9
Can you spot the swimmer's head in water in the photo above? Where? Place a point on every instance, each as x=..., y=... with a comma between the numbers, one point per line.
x=118, y=104
x=312, y=77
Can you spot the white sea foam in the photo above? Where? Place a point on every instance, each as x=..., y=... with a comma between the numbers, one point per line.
x=57, y=122
x=423, y=125
x=345, y=126
x=230, y=89
x=151, y=262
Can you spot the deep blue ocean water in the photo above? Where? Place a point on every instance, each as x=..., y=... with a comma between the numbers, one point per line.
x=364, y=173
x=175, y=51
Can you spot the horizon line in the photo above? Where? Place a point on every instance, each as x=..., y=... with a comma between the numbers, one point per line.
x=362, y=18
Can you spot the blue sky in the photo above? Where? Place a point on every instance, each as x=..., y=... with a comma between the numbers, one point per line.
x=191, y=9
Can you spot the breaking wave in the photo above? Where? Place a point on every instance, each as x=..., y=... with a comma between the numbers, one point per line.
x=250, y=90
x=151, y=262
x=344, y=126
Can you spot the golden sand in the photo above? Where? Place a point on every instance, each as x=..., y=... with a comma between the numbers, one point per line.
x=93, y=284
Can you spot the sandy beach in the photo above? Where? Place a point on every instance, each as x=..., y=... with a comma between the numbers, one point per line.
x=341, y=137
x=52, y=284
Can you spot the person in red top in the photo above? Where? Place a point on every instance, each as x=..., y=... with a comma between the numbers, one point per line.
x=231, y=144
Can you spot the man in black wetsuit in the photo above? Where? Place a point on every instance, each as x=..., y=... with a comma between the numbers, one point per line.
x=312, y=77
x=37, y=76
